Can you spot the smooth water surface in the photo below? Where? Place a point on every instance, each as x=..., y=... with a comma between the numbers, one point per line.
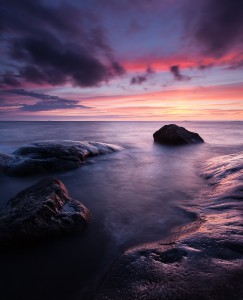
x=135, y=196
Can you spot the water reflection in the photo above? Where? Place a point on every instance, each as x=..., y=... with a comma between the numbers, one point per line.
x=135, y=196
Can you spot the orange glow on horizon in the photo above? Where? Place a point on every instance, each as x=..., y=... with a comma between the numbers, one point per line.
x=184, y=61
x=223, y=102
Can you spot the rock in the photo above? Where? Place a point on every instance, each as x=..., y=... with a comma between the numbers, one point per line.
x=175, y=135
x=51, y=155
x=226, y=166
x=4, y=160
x=40, y=211
x=203, y=260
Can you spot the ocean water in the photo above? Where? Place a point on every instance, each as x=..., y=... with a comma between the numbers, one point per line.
x=137, y=195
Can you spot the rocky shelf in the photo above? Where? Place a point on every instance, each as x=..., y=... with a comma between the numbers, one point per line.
x=50, y=155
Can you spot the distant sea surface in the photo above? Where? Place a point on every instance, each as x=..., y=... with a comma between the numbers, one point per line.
x=135, y=196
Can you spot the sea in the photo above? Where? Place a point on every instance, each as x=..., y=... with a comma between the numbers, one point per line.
x=138, y=195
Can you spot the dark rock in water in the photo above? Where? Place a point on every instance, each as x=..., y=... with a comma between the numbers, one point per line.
x=47, y=156
x=203, y=260
x=175, y=135
x=40, y=211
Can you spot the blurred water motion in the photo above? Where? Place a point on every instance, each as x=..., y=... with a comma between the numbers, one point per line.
x=135, y=196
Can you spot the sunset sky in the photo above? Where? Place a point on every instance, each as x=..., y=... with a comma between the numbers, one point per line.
x=121, y=60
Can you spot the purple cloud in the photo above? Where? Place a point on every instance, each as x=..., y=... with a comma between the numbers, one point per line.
x=217, y=25
x=175, y=70
x=53, y=50
x=45, y=103
x=139, y=79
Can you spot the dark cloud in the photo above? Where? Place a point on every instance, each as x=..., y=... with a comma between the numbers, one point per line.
x=150, y=71
x=117, y=68
x=218, y=25
x=46, y=103
x=175, y=70
x=9, y=79
x=49, y=105
x=55, y=64
x=139, y=79
x=55, y=44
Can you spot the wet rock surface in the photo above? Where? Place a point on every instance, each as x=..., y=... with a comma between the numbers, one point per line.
x=52, y=155
x=40, y=211
x=174, y=135
x=201, y=261
x=4, y=160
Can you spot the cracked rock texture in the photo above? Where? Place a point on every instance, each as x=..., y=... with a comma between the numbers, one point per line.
x=40, y=211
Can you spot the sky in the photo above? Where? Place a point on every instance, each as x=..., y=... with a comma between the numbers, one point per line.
x=122, y=60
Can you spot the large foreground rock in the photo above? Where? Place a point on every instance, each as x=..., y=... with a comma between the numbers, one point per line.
x=52, y=155
x=175, y=135
x=42, y=210
x=201, y=261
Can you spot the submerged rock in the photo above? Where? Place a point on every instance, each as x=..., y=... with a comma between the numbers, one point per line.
x=40, y=211
x=175, y=135
x=201, y=261
x=51, y=155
